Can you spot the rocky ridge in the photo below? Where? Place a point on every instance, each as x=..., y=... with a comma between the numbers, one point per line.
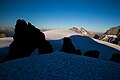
x=84, y=32
x=112, y=35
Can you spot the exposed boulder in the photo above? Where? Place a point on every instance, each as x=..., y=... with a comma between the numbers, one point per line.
x=26, y=39
x=69, y=47
x=92, y=53
x=115, y=57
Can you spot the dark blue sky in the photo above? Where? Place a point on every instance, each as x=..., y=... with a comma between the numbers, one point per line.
x=94, y=15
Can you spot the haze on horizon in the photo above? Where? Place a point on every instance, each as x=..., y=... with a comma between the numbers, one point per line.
x=93, y=15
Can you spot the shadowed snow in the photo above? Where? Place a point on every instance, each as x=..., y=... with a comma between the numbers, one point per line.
x=59, y=66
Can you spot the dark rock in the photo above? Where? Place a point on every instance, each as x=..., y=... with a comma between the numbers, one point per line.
x=112, y=35
x=73, y=29
x=96, y=36
x=45, y=47
x=115, y=57
x=26, y=39
x=69, y=47
x=92, y=53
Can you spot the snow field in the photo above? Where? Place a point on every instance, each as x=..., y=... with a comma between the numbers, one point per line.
x=59, y=66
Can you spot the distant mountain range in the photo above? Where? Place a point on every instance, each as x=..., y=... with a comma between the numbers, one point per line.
x=84, y=32
x=6, y=31
x=9, y=31
x=112, y=35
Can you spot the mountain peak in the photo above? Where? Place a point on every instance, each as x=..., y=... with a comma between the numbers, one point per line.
x=113, y=30
x=112, y=35
x=82, y=31
x=74, y=28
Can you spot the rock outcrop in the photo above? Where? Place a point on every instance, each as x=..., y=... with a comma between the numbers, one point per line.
x=92, y=53
x=69, y=47
x=112, y=35
x=115, y=57
x=26, y=39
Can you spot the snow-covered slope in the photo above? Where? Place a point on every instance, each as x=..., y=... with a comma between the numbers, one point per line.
x=5, y=41
x=83, y=43
x=59, y=34
x=59, y=66
x=108, y=44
